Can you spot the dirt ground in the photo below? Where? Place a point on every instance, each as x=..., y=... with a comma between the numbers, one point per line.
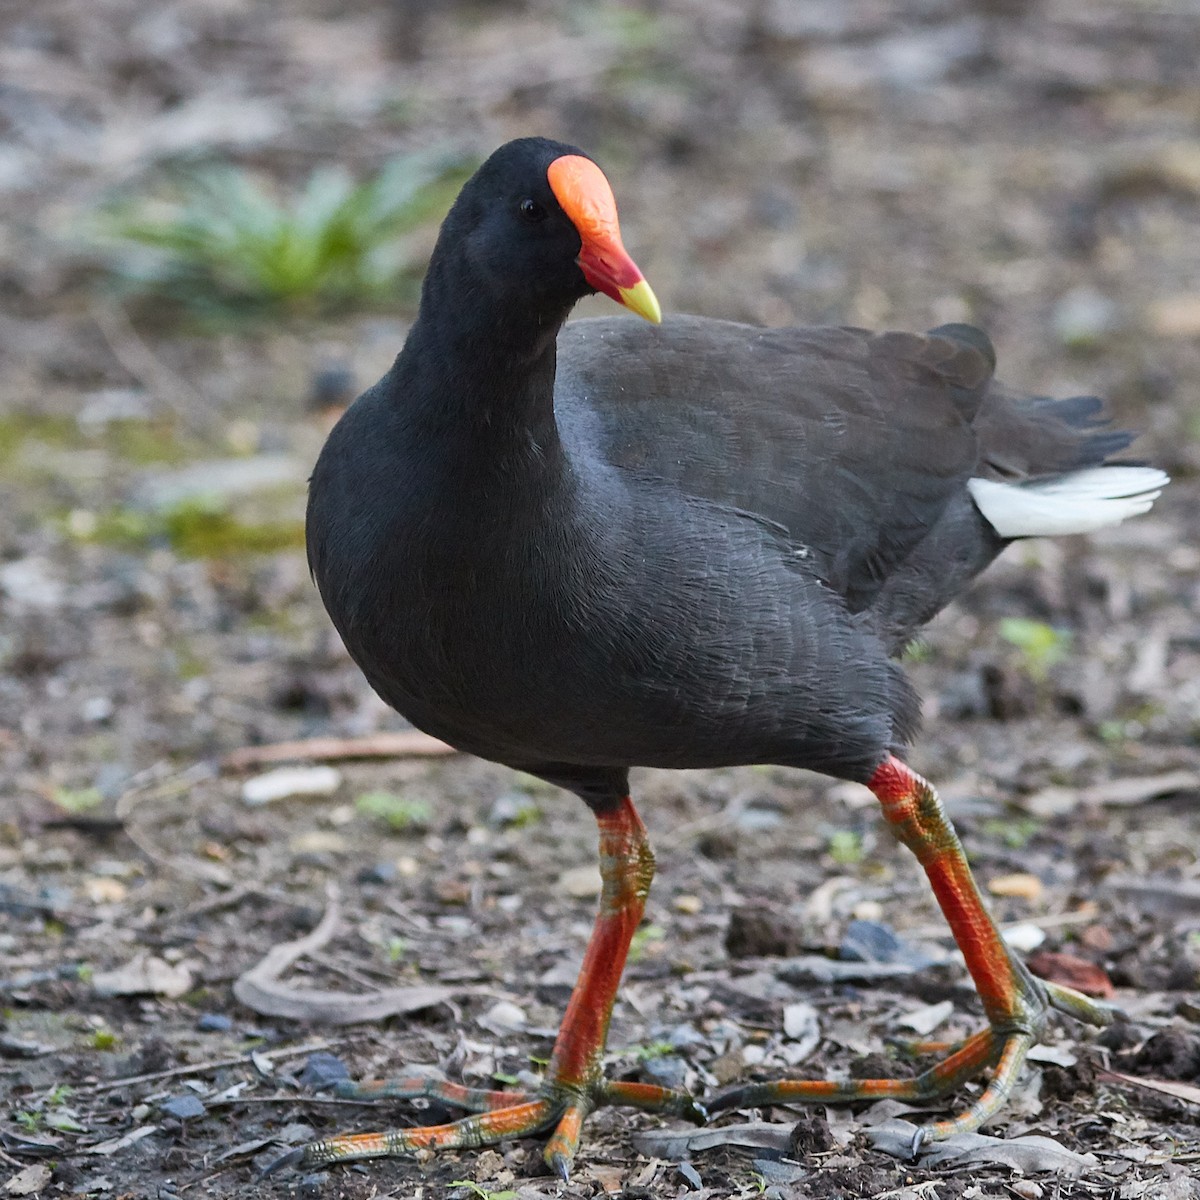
x=1030, y=166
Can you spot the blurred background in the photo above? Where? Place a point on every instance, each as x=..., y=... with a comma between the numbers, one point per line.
x=214, y=216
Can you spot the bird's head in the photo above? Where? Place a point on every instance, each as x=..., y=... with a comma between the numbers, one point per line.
x=538, y=223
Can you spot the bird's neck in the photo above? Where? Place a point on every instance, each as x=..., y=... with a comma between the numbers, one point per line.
x=483, y=372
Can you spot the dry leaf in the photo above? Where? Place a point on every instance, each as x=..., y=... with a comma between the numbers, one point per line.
x=144, y=975
x=28, y=1182
x=318, y=841
x=260, y=988
x=679, y=1143
x=1022, y=885
x=1139, y=788
x=123, y=1142
x=1073, y=971
x=1060, y=1056
x=923, y=1021
x=1032, y=1154
x=1160, y=897
x=1168, y=1087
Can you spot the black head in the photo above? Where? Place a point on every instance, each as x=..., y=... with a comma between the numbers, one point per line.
x=535, y=228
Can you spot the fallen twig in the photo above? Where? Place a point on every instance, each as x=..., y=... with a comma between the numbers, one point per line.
x=215, y=1064
x=411, y=743
x=259, y=988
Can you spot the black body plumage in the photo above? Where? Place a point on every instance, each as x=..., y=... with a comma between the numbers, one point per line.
x=584, y=548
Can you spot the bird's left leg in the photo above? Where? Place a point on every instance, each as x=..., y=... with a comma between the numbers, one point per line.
x=575, y=1084
x=1015, y=1002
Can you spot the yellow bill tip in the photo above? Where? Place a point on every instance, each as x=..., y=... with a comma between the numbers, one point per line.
x=641, y=299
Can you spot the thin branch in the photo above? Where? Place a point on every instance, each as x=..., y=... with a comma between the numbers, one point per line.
x=410, y=743
x=214, y=1064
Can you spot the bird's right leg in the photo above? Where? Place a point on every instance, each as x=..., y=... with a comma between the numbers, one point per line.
x=575, y=1085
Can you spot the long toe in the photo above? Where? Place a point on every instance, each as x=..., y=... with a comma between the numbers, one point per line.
x=969, y=1060
x=650, y=1097
x=424, y=1087
x=481, y=1129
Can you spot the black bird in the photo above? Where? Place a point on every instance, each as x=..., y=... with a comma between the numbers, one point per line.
x=579, y=549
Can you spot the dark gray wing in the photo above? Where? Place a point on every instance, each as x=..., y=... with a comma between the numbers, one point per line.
x=851, y=441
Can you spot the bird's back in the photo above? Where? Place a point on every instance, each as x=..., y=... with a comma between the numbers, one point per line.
x=857, y=445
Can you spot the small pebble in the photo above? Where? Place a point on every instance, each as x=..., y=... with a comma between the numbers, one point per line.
x=690, y=905
x=290, y=781
x=758, y=820
x=295, y=1132
x=214, y=1023
x=183, y=1107
x=510, y=808
x=683, y=1036
x=380, y=872
x=323, y=1070
x=668, y=1071
x=105, y=891
x=316, y=842
x=96, y=709
x=874, y=942
x=799, y=1021
x=581, y=882
x=1024, y=937
x=1176, y=316
x=1084, y=317
x=504, y=1016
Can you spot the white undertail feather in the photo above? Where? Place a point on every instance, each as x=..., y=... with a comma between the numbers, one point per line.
x=1074, y=503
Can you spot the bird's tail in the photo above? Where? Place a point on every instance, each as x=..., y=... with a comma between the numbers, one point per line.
x=1076, y=502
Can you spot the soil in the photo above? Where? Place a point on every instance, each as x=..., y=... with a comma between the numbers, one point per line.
x=1030, y=166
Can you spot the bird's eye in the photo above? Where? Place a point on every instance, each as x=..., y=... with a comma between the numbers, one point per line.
x=532, y=211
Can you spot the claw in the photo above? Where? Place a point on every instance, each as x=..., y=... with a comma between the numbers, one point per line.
x=561, y=1166
x=918, y=1140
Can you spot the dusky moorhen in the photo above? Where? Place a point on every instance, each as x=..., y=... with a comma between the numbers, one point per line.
x=577, y=549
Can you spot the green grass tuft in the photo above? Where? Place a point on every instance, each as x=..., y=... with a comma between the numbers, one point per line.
x=1041, y=646
x=397, y=811
x=226, y=243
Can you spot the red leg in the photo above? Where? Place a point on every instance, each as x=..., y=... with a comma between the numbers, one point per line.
x=575, y=1084
x=1016, y=1004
